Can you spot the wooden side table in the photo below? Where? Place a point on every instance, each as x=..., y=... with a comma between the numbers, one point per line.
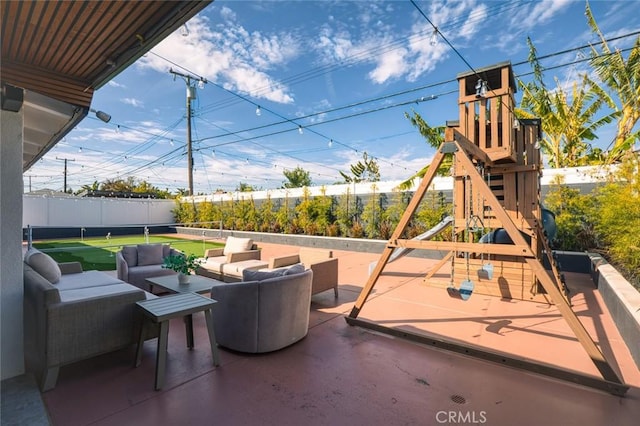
x=160, y=311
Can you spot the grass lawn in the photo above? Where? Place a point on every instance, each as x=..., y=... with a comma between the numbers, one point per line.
x=100, y=253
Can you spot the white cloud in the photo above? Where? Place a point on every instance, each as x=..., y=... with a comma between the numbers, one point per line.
x=133, y=102
x=229, y=55
x=390, y=65
x=114, y=83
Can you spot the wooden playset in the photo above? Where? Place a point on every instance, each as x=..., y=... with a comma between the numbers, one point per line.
x=498, y=230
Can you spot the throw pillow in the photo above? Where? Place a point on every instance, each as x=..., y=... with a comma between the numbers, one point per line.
x=44, y=265
x=166, y=250
x=295, y=269
x=235, y=245
x=130, y=254
x=248, y=275
x=149, y=254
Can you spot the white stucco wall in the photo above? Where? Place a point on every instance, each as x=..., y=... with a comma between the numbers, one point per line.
x=11, y=289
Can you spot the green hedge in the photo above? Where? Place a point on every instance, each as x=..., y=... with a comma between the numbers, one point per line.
x=607, y=219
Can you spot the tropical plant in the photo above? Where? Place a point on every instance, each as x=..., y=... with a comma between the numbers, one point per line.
x=366, y=170
x=616, y=215
x=568, y=119
x=372, y=214
x=434, y=136
x=623, y=79
x=573, y=217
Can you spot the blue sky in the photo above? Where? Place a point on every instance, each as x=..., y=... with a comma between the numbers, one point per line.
x=333, y=79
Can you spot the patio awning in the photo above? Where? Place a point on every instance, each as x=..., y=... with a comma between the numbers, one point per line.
x=60, y=52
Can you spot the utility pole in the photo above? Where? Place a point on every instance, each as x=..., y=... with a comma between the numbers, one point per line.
x=191, y=94
x=65, y=171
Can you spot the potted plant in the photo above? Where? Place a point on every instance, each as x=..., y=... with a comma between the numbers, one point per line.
x=183, y=265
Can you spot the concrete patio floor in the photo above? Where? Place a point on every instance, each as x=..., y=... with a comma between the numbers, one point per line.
x=341, y=374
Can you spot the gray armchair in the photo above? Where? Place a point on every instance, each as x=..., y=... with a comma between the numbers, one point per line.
x=262, y=316
x=134, y=264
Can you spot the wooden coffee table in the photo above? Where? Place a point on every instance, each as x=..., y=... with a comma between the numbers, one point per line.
x=160, y=311
x=197, y=284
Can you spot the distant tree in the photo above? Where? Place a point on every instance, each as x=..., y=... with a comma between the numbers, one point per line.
x=297, y=178
x=245, y=187
x=95, y=186
x=366, y=170
x=118, y=185
x=182, y=192
x=131, y=185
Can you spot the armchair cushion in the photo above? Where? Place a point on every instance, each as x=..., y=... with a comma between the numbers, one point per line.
x=43, y=264
x=149, y=254
x=235, y=244
x=252, y=275
x=130, y=254
x=295, y=269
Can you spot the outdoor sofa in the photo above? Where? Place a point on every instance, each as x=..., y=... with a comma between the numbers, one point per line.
x=71, y=315
x=221, y=263
x=134, y=264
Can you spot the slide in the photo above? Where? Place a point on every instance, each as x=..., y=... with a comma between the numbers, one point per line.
x=403, y=251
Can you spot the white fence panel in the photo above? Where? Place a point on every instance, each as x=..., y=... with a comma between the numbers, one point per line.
x=76, y=211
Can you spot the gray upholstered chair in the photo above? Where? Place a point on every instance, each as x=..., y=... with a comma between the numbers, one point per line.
x=134, y=264
x=263, y=316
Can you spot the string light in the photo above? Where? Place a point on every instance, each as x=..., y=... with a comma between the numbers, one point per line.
x=481, y=89
x=434, y=37
x=258, y=111
x=330, y=143
x=300, y=129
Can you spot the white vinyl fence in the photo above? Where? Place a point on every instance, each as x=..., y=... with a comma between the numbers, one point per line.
x=63, y=211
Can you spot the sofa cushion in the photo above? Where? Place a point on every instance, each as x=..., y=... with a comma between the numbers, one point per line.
x=249, y=275
x=86, y=279
x=43, y=264
x=89, y=292
x=235, y=244
x=214, y=264
x=166, y=250
x=130, y=254
x=149, y=254
x=295, y=269
x=138, y=275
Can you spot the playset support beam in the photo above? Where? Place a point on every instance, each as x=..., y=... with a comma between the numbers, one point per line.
x=463, y=151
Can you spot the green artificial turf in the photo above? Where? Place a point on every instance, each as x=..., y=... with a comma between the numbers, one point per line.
x=100, y=253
